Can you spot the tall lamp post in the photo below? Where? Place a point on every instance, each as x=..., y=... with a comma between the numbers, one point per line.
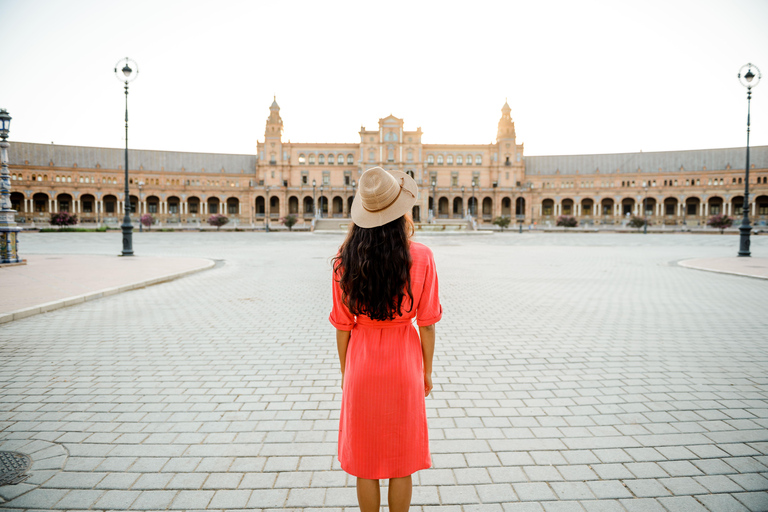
x=474, y=201
x=314, y=197
x=141, y=224
x=8, y=229
x=434, y=199
x=127, y=73
x=321, y=201
x=354, y=184
x=749, y=76
x=267, y=210
x=463, y=211
x=645, y=211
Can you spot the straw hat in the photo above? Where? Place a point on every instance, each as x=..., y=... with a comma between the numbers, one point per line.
x=382, y=197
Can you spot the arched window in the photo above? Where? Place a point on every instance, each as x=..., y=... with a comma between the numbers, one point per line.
x=340, y=159
x=312, y=159
x=410, y=156
x=439, y=159
x=320, y=159
x=479, y=160
x=391, y=154
x=330, y=159
x=371, y=156
x=302, y=159
x=350, y=159
x=430, y=159
x=469, y=159
x=449, y=160
x=459, y=160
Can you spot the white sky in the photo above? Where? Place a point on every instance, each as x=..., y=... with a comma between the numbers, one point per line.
x=581, y=77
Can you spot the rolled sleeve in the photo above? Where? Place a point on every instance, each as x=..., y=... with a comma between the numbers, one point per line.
x=340, y=316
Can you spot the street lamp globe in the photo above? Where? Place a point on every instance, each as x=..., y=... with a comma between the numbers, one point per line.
x=5, y=124
x=128, y=71
x=749, y=75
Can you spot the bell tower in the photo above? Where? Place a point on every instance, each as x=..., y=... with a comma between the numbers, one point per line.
x=273, y=134
x=505, y=136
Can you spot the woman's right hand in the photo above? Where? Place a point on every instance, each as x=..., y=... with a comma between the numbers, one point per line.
x=427, y=384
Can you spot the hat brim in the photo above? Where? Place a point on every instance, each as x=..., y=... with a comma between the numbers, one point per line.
x=402, y=205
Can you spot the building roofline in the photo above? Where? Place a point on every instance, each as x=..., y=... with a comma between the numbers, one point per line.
x=131, y=149
x=649, y=152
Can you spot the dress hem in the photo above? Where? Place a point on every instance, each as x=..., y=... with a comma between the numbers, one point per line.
x=387, y=477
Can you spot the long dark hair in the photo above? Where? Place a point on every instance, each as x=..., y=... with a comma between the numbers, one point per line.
x=373, y=269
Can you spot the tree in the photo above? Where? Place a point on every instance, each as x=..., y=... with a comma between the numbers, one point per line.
x=147, y=220
x=636, y=222
x=567, y=221
x=720, y=222
x=502, y=222
x=217, y=220
x=289, y=221
x=62, y=219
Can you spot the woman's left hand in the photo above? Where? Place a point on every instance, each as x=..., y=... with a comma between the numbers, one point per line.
x=427, y=384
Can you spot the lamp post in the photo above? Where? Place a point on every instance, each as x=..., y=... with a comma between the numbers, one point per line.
x=434, y=199
x=749, y=76
x=354, y=184
x=314, y=197
x=141, y=224
x=645, y=210
x=474, y=201
x=127, y=73
x=267, y=210
x=321, y=201
x=463, y=212
x=8, y=229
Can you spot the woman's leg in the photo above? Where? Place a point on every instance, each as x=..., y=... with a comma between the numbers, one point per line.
x=400, y=490
x=368, y=495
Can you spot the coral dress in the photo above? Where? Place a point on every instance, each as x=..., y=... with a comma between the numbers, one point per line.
x=383, y=423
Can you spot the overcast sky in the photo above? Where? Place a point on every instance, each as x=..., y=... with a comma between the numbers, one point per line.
x=580, y=77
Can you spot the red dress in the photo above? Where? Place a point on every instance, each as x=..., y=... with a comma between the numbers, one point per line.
x=383, y=423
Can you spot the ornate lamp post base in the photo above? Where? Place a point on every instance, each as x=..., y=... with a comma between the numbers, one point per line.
x=744, y=232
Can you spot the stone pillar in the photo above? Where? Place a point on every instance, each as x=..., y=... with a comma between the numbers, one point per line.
x=578, y=209
x=706, y=209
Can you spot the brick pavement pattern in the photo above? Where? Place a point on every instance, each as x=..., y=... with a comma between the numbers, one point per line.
x=572, y=373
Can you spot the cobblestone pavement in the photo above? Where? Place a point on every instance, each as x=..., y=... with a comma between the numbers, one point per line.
x=572, y=373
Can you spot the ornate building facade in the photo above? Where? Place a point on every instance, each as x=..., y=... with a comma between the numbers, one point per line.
x=308, y=180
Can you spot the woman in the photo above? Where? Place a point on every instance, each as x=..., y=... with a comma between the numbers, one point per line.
x=382, y=281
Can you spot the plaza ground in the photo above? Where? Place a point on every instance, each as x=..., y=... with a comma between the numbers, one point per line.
x=573, y=372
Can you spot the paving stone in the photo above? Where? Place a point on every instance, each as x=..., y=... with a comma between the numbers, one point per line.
x=533, y=491
x=153, y=500
x=609, y=489
x=718, y=483
x=79, y=499
x=230, y=499
x=754, y=501
x=458, y=494
x=751, y=482
x=192, y=500
x=496, y=493
x=642, y=505
x=682, y=504
x=305, y=497
x=263, y=498
x=117, y=500
x=722, y=503
x=572, y=490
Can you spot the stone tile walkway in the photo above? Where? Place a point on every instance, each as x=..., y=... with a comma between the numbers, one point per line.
x=573, y=373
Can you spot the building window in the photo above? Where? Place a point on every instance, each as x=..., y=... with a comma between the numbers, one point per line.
x=449, y=160
x=410, y=156
x=302, y=159
x=320, y=159
x=430, y=159
x=347, y=178
x=340, y=159
x=439, y=159
x=454, y=179
x=390, y=154
x=311, y=159
x=304, y=177
x=459, y=160
x=469, y=159
x=152, y=207
x=192, y=207
x=330, y=159
x=478, y=160
x=371, y=156
x=326, y=178
x=350, y=159
x=272, y=158
x=231, y=208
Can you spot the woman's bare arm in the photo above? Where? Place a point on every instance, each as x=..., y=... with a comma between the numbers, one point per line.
x=427, y=334
x=342, y=340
